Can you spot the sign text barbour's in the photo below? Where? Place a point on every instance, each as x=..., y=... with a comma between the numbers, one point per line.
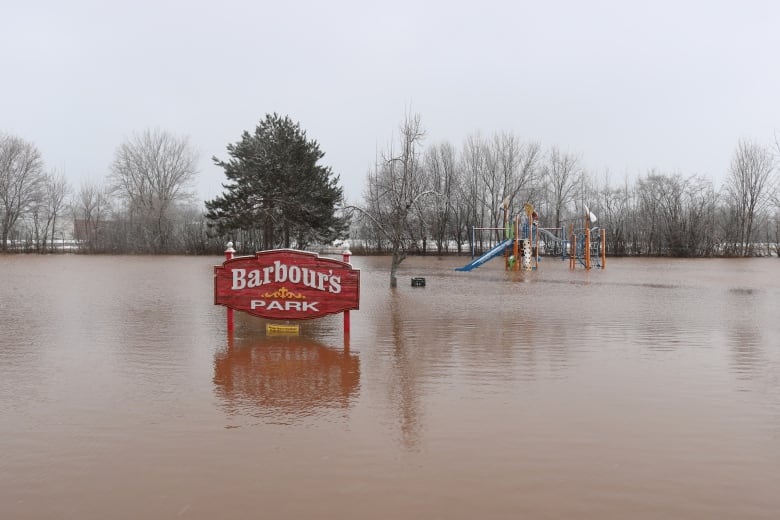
x=287, y=284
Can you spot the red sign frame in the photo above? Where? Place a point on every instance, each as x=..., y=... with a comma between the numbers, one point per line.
x=287, y=284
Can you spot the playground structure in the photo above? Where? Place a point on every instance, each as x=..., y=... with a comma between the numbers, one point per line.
x=523, y=237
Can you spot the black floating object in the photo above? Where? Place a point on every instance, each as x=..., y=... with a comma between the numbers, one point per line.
x=418, y=282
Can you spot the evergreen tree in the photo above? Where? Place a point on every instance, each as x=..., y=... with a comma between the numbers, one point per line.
x=277, y=195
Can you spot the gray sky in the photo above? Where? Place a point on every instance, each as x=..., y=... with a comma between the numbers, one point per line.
x=629, y=86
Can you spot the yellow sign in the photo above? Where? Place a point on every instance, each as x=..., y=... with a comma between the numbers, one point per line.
x=276, y=329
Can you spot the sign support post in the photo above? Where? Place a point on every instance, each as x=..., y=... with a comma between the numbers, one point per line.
x=345, y=256
x=229, y=252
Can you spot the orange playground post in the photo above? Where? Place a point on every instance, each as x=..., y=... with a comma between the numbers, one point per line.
x=587, y=248
x=603, y=245
x=572, y=248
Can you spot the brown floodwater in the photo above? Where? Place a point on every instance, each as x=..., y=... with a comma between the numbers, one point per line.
x=648, y=390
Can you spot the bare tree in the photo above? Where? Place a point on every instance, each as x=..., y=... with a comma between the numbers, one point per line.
x=701, y=202
x=21, y=180
x=561, y=173
x=152, y=172
x=91, y=207
x=440, y=168
x=494, y=171
x=474, y=190
x=676, y=215
x=649, y=193
x=459, y=221
x=776, y=196
x=394, y=188
x=57, y=189
x=749, y=190
x=46, y=209
x=519, y=165
x=617, y=208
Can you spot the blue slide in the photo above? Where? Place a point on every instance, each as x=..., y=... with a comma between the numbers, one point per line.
x=496, y=251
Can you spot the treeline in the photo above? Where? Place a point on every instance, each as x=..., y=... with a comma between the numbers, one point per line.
x=32, y=200
x=417, y=199
x=660, y=213
x=145, y=204
x=276, y=195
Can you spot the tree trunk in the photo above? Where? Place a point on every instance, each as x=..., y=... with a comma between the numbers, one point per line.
x=394, y=268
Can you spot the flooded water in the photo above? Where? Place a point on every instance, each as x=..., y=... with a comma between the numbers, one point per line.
x=648, y=390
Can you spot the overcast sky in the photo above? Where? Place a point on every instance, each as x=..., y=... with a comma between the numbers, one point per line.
x=629, y=86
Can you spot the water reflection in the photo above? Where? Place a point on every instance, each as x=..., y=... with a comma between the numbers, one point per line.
x=744, y=333
x=285, y=378
x=404, y=387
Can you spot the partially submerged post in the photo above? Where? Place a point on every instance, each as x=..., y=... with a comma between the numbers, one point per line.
x=229, y=252
x=586, y=246
x=572, y=248
x=603, y=248
x=345, y=257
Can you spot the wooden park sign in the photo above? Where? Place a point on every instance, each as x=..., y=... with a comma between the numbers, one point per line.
x=286, y=284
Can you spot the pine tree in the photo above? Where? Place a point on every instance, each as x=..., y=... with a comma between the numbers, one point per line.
x=277, y=195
